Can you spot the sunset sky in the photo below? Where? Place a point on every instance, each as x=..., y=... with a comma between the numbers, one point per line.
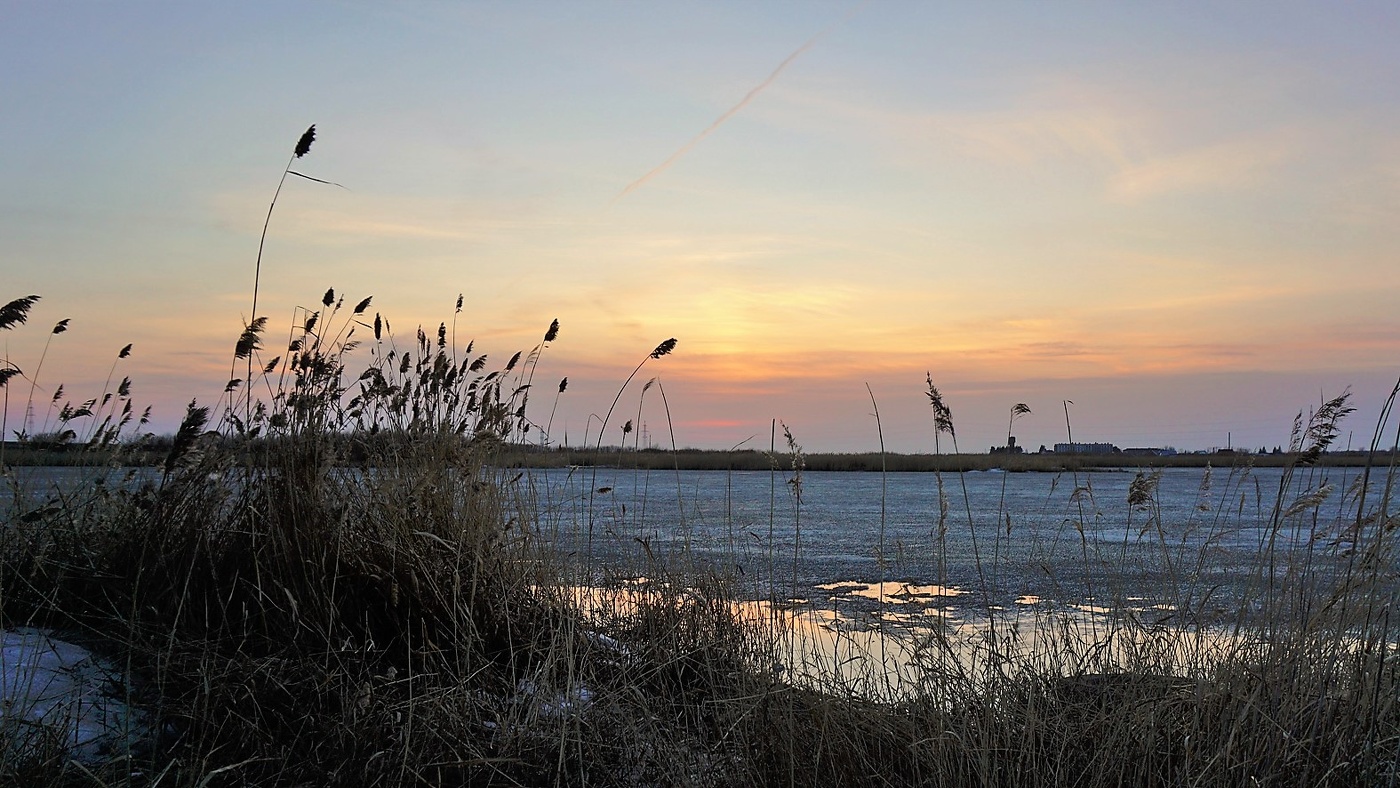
x=1184, y=217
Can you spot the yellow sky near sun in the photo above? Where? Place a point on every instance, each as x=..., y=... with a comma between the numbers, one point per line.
x=746, y=302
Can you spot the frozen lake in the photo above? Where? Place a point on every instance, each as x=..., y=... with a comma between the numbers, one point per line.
x=1197, y=540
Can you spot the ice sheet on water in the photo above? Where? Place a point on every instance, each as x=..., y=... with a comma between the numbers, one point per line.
x=55, y=693
x=891, y=591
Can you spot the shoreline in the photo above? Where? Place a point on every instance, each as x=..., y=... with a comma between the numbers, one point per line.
x=752, y=460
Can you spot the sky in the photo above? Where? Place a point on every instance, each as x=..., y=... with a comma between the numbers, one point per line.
x=1181, y=218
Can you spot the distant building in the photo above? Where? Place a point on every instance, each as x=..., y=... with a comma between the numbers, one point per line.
x=1009, y=448
x=1087, y=448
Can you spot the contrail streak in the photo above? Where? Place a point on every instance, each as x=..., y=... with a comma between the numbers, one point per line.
x=634, y=185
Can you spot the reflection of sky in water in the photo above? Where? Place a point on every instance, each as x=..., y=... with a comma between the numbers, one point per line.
x=892, y=651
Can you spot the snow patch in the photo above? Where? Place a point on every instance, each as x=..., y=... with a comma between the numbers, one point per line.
x=54, y=694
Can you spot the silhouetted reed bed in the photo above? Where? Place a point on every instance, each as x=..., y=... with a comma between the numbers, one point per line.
x=517, y=456
x=341, y=584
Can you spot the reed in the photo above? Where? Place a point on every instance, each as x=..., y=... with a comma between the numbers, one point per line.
x=12, y=314
x=252, y=327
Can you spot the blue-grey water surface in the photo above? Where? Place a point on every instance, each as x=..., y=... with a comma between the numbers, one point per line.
x=1197, y=540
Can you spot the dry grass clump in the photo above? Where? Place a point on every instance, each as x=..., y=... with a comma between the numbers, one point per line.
x=292, y=616
x=1271, y=713
x=290, y=612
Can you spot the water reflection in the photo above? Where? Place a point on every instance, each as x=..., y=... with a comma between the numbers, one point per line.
x=901, y=650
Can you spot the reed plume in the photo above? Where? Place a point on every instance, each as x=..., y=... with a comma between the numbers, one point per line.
x=662, y=349
x=16, y=312
x=12, y=314
x=59, y=328
x=302, y=148
x=942, y=414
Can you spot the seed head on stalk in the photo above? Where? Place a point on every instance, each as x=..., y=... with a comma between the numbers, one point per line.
x=302, y=148
x=662, y=349
x=942, y=414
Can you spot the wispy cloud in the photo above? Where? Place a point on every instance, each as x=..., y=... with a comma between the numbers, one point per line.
x=1029, y=136
x=1136, y=148
x=1236, y=163
x=734, y=110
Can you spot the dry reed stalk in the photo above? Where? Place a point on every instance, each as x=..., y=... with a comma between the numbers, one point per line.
x=303, y=147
